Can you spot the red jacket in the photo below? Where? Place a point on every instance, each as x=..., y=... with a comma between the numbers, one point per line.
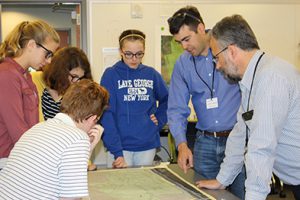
x=18, y=104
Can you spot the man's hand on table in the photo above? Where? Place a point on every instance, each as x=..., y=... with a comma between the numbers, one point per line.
x=210, y=184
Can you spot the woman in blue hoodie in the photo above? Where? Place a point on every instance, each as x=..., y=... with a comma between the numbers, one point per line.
x=137, y=106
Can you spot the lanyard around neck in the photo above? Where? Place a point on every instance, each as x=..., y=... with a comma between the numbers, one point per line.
x=213, y=78
x=248, y=105
x=253, y=80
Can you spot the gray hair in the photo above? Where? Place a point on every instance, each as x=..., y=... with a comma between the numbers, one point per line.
x=235, y=30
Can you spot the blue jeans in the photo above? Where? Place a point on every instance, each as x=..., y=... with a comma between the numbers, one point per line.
x=209, y=152
x=134, y=158
x=296, y=191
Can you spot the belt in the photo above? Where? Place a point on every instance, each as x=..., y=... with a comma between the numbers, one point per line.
x=217, y=134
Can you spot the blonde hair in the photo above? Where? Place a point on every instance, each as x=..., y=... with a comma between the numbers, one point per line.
x=18, y=38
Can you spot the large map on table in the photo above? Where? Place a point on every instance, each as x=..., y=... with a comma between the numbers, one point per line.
x=141, y=184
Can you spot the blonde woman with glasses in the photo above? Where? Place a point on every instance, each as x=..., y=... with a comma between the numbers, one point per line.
x=29, y=44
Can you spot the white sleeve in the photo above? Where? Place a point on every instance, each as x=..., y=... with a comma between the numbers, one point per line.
x=234, y=152
x=72, y=170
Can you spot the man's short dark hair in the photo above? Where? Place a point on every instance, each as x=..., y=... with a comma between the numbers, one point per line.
x=188, y=15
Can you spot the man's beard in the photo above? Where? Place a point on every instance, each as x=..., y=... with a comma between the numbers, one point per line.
x=232, y=78
x=231, y=72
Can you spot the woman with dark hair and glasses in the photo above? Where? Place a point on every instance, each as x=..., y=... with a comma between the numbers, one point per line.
x=137, y=106
x=69, y=65
x=29, y=44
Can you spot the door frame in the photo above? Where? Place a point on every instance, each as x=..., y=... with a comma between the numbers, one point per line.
x=83, y=15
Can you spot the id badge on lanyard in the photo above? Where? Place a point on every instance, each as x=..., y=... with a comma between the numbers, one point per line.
x=212, y=103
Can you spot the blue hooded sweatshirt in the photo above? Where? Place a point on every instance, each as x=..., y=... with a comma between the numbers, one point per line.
x=134, y=94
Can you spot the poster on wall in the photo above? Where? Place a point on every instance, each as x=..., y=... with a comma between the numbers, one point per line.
x=110, y=57
x=170, y=51
x=167, y=52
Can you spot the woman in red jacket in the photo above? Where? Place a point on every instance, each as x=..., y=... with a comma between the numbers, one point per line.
x=30, y=44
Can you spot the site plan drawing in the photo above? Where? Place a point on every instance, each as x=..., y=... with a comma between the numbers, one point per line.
x=141, y=184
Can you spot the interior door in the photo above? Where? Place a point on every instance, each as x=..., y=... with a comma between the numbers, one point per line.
x=65, y=36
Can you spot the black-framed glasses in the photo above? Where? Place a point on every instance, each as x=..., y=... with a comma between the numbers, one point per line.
x=180, y=17
x=97, y=118
x=216, y=58
x=49, y=54
x=130, y=55
x=75, y=78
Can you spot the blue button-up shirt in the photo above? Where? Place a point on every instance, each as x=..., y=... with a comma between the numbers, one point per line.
x=186, y=84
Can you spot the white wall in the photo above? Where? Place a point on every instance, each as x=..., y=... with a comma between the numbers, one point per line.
x=276, y=25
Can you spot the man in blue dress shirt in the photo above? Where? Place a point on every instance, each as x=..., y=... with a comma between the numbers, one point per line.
x=215, y=99
x=269, y=117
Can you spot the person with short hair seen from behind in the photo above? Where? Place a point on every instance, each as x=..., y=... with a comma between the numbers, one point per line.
x=215, y=99
x=50, y=159
x=29, y=44
x=267, y=135
x=134, y=119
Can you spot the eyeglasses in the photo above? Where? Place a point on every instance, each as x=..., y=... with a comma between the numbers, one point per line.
x=49, y=53
x=215, y=58
x=180, y=17
x=97, y=118
x=75, y=78
x=130, y=55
